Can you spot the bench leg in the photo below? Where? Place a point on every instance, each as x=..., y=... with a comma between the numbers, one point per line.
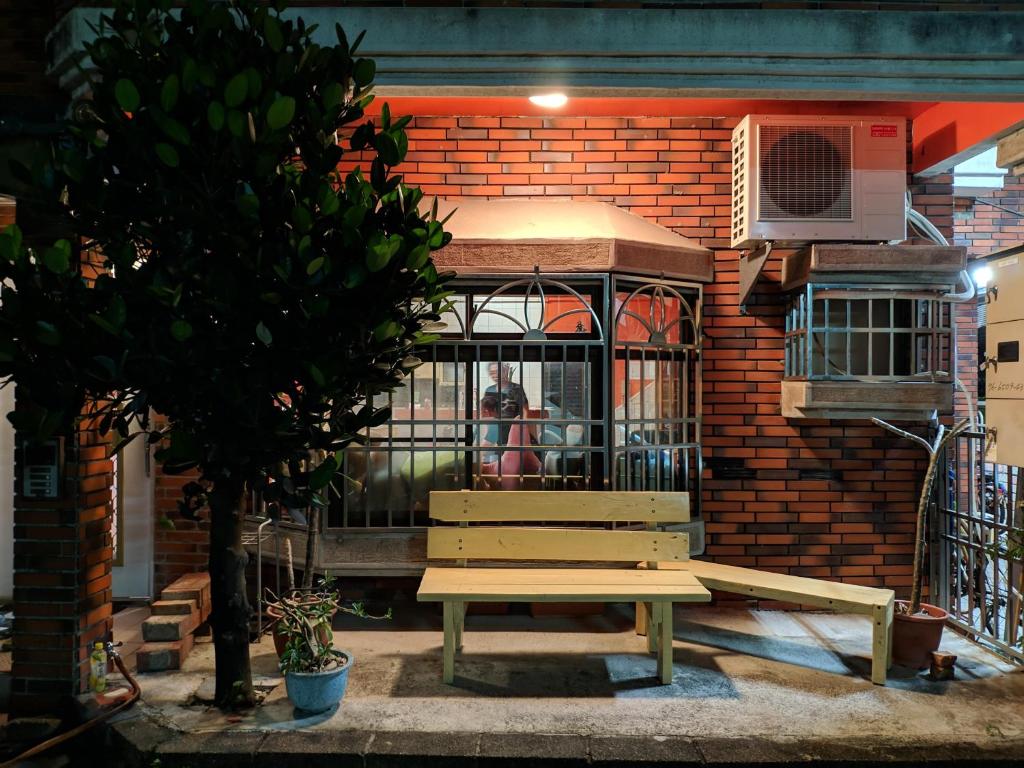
x=881, y=642
x=651, y=618
x=664, y=614
x=448, y=654
x=460, y=624
x=641, y=618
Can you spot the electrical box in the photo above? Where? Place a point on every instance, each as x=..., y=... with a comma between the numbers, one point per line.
x=41, y=469
x=1004, y=374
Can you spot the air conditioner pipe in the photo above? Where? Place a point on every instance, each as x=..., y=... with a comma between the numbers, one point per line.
x=919, y=222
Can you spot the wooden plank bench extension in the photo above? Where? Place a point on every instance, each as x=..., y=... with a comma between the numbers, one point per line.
x=843, y=598
x=457, y=585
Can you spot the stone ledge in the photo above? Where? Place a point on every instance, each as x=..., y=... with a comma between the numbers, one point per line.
x=140, y=741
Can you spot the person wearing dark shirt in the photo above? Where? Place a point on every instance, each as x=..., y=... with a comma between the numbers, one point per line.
x=511, y=396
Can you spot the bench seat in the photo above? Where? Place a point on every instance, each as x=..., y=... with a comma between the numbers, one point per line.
x=474, y=525
x=836, y=596
x=539, y=585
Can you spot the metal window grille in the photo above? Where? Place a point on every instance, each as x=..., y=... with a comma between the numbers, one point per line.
x=976, y=536
x=657, y=415
x=847, y=334
x=517, y=395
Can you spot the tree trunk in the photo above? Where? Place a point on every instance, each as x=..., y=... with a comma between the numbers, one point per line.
x=922, y=519
x=229, y=617
x=312, y=537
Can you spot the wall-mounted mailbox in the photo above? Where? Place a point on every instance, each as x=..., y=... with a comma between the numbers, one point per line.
x=1004, y=373
x=870, y=331
x=41, y=469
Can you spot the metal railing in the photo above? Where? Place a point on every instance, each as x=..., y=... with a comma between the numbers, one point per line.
x=977, y=573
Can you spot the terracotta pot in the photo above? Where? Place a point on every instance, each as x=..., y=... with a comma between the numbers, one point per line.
x=915, y=637
x=280, y=640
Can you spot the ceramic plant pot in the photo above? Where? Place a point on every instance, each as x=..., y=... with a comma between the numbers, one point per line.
x=915, y=637
x=318, y=691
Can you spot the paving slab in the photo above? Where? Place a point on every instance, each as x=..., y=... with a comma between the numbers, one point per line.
x=749, y=688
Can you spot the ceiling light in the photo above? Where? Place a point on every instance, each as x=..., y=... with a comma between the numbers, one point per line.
x=549, y=100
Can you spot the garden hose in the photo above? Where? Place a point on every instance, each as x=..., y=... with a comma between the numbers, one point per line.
x=79, y=730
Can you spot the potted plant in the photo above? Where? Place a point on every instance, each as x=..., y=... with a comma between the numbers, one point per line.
x=315, y=672
x=917, y=626
x=323, y=594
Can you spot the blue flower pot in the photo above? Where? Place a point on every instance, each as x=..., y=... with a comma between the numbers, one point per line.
x=317, y=691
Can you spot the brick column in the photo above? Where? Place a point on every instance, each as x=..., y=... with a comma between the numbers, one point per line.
x=62, y=576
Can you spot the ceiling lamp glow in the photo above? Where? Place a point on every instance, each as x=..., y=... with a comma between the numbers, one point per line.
x=549, y=100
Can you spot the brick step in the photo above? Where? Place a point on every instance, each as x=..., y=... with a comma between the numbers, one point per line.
x=174, y=607
x=191, y=586
x=164, y=628
x=159, y=657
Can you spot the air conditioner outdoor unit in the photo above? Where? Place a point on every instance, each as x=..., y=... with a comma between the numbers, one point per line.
x=804, y=179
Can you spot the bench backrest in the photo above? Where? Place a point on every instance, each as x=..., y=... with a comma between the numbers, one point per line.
x=507, y=542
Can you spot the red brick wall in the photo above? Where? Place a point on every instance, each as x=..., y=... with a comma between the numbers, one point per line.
x=831, y=499
x=985, y=228
x=181, y=546
x=62, y=577
x=855, y=524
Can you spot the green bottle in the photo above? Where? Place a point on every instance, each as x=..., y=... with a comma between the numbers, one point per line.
x=98, y=669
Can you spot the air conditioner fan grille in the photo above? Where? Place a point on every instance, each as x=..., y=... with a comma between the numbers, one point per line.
x=804, y=172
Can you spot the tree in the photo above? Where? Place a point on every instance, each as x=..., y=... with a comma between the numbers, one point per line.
x=247, y=293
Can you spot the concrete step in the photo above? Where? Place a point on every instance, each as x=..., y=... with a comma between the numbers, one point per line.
x=168, y=628
x=160, y=657
x=191, y=586
x=174, y=607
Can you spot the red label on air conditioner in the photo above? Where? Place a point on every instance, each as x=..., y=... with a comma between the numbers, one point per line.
x=883, y=131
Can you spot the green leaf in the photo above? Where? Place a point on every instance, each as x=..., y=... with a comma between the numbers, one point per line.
x=127, y=94
x=181, y=330
x=272, y=33
x=47, y=333
x=263, y=333
x=189, y=75
x=322, y=475
x=386, y=330
x=236, y=123
x=10, y=242
x=380, y=252
x=317, y=374
x=388, y=150
x=315, y=265
x=248, y=205
x=168, y=155
x=236, y=89
x=363, y=72
x=280, y=113
x=57, y=257
x=174, y=130
x=215, y=115
x=417, y=257
x=169, y=93
x=332, y=95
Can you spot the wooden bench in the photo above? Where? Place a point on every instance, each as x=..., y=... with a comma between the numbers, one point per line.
x=844, y=598
x=457, y=585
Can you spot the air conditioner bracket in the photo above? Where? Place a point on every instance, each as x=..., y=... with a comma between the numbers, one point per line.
x=751, y=265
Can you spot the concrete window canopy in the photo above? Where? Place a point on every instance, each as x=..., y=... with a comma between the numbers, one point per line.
x=520, y=235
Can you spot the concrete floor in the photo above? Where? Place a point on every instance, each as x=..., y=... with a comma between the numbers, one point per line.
x=767, y=675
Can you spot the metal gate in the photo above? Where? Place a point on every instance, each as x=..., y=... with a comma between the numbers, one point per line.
x=978, y=545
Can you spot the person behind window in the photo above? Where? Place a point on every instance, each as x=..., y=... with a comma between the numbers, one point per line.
x=512, y=400
x=510, y=465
